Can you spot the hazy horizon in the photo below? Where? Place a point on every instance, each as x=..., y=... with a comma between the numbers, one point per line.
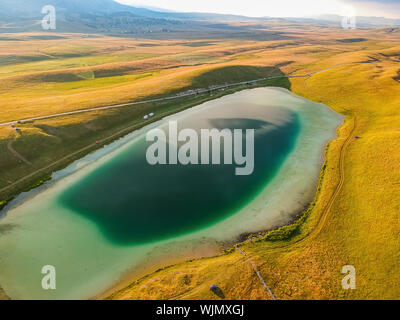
x=278, y=8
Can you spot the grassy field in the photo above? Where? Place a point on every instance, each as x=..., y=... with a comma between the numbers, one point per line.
x=361, y=179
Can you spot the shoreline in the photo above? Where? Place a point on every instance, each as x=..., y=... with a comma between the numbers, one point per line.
x=227, y=247
x=224, y=248
x=149, y=269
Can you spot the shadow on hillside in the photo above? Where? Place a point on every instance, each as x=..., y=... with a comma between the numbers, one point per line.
x=237, y=74
x=397, y=78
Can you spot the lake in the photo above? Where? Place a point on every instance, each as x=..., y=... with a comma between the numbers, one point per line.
x=112, y=214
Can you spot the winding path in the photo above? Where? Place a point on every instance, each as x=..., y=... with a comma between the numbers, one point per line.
x=257, y=272
x=325, y=213
x=16, y=154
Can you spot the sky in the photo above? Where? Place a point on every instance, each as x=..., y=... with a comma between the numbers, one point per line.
x=279, y=8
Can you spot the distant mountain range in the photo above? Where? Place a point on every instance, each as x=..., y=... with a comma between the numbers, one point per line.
x=108, y=16
x=361, y=21
x=100, y=16
x=32, y=9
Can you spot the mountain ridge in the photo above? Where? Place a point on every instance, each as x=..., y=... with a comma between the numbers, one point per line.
x=112, y=17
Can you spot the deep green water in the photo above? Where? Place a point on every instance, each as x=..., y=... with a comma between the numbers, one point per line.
x=133, y=202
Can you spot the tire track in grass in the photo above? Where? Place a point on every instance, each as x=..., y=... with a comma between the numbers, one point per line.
x=257, y=272
x=17, y=154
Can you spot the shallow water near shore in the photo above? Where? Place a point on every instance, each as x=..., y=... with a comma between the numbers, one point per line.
x=111, y=212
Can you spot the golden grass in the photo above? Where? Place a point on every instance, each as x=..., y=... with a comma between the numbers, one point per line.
x=362, y=228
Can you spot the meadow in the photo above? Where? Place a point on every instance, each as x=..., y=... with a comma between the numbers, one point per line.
x=354, y=219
